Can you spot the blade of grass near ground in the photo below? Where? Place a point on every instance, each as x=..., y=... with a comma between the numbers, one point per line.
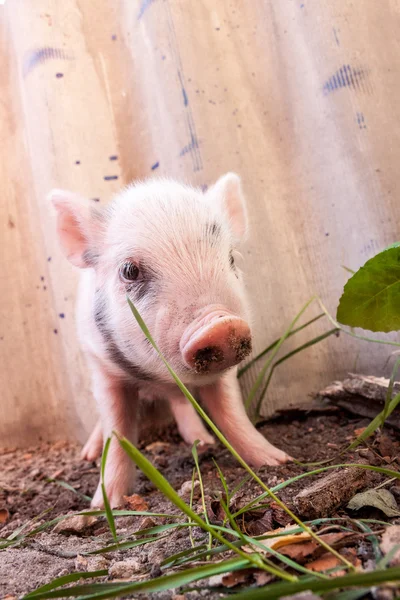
x=225, y=442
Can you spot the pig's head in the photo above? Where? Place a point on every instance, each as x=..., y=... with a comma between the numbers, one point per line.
x=171, y=249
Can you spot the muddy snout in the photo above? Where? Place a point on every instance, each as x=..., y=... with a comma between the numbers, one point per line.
x=216, y=343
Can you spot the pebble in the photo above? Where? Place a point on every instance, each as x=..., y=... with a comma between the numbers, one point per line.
x=186, y=489
x=124, y=569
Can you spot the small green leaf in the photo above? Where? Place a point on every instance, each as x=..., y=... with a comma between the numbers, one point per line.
x=382, y=499
x=371, y=298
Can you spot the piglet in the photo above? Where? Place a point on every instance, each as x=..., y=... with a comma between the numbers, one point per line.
x=171, y=248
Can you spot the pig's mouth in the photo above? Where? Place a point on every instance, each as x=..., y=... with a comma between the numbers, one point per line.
x=215, y=343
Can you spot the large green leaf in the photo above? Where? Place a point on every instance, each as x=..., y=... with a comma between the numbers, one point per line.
x=371, y=298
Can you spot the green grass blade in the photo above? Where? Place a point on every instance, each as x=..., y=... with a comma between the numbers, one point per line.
x=348, y=270
x=271, y=346
x=119, y=546
x=241, y=483
x=64, y=579
x=203, y=500
x=165, y=487
x=107, y=507
x=223, y=481
x=102, y=591
x=274, y=591
x=274, y=351
x=125, y=513
x=15, y=534
x=171, y=560
x=69, y=487
x=308, y=344
x=225, y=442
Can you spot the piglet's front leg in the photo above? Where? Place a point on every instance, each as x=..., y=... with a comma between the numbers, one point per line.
x=118, y=413
x=224, y=405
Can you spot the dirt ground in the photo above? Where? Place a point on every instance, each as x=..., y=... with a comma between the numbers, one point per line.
x=25, y=492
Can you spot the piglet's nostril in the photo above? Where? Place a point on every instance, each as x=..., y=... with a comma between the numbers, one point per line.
x=205, y=357
x=241, y=346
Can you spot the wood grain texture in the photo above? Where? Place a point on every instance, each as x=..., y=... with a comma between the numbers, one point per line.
x=300, y=98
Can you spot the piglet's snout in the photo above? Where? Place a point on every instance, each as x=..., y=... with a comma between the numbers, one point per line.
x=215, y=343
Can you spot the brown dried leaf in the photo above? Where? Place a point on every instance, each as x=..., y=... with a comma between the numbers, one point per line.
x=4, y=516
x=280, y=541
x=325, y=562
x=158, y=447
x=300, y=551
x=328, y=561
x=135, y=502
x=229, y=580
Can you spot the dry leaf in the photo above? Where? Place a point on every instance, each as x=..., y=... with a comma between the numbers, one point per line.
x=4, y=516
x=229, y=580
x=381, y=499
x=359, y=431
x=157, y=447
x=390, y=539
x=136, y=502
x=325, y=562
x=278, y=541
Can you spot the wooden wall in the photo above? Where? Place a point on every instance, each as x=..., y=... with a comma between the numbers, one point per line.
x=300, y=98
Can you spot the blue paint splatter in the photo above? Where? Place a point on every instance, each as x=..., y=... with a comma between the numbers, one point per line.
x=40, y=55
x=301, y=5
x=77, y=162
x=155, y=166
x=96, y=199
x=143, y=7
x=113, y=157
x=113, y=37
x=204, y=187
x=335, y=35
x=361, y=121
x=184, y=94
x=59, y=75
x=110, y=177
x=347, y=77
x=62, y=316
x=55, y=331
x=49, y=259
x=193, y=145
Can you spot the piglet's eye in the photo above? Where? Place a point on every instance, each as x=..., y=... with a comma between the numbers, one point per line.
x=231, y=260
x=128, y=272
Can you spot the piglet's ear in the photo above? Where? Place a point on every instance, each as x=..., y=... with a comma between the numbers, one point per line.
x=77, y=227
x=228, y=191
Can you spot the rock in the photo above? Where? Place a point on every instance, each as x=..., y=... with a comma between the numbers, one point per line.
x=124, y=569
x=75, y=524
x=186, y=490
